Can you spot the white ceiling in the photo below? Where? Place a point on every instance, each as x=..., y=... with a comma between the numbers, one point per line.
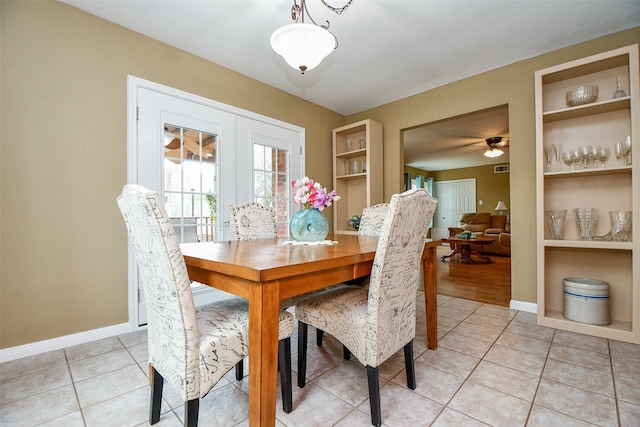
x=458, y=142
x=388, y=49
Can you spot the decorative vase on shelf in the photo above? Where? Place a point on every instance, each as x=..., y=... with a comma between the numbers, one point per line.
x=308, y=225
x=555, y=220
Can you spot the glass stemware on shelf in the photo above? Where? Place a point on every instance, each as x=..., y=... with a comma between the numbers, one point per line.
x=566, y=158
x=557, y=151
x=603, y=154
x=585, y=154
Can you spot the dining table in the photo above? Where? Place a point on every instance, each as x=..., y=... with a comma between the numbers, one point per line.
x=265, y=271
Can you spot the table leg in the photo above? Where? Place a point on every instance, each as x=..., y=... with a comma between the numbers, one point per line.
x=430, y=276
x=263, y=353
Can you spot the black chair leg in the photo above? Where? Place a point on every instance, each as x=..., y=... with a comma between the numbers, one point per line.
x=302, y=353
x=191, y=409
x=156, y=396
x=240, y=370
x=319, y=335
x=409, y=365
x=346, y=354
x=284, y=359
x=374, y=395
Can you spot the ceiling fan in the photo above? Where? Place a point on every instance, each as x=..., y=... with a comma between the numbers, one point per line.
x=494, y=143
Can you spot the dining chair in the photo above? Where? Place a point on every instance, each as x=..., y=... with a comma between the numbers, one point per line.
x=374, y=323
x=252, y=221
x=370, y=225
x=372, y=218
x=191, y=348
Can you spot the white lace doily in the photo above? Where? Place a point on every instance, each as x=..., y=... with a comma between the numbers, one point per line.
x=319, y=243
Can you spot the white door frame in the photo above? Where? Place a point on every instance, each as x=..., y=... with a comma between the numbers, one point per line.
x=135, y=83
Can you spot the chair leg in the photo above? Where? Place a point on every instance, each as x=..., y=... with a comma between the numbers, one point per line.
x=240, y=370
x=157, y=383
x=302, y=353
x=319, y=335
x=409, y=365
x=346, y=354
x=284, y=359
x=374, y=395
x=191, y=409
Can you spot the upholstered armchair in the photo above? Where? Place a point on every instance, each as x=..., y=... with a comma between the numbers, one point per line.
x=375, y=322
x=192, y=349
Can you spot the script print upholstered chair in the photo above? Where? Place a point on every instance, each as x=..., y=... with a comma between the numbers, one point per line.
x=374, y=323
x=370, y=225
x=252, y=221
x=191, y=349
x=372, y=218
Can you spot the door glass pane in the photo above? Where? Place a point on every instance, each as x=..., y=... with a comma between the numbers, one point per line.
x=190, y=183
x=270, y=182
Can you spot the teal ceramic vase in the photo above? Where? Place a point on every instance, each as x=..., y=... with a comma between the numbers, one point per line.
x=308, y=225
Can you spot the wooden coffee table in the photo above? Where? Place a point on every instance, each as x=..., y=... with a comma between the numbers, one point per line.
x=466, y=247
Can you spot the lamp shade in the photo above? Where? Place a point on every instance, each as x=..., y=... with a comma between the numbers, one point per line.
x=501, y=206
x=493, y=152
x=303, y=46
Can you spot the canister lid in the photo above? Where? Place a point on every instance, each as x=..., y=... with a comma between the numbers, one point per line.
x=585, y=283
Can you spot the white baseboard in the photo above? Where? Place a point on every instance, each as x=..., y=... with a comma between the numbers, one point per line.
x=529, y=307
x=31, y=349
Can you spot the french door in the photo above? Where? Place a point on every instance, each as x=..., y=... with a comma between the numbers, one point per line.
x=202, y=157
x=454, y=199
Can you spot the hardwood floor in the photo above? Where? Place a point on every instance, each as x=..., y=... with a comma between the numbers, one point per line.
x=484, y=282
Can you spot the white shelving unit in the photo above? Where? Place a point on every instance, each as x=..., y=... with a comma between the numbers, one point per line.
x=614, y=187
x=356, y=190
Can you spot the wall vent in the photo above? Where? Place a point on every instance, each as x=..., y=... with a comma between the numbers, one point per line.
x=501, y=169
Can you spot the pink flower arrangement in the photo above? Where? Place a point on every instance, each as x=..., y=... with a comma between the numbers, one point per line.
x=312, y=195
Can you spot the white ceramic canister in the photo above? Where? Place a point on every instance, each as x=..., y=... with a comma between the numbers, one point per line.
x=586, y=300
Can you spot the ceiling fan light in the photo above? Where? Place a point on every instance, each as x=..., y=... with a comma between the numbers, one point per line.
x=303, y=46
x=493, y=152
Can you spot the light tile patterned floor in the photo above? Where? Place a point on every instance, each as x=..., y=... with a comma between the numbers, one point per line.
x=494, y=366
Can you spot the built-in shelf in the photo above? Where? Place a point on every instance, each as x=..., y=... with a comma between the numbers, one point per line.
x=356, y=190
x=610, y=188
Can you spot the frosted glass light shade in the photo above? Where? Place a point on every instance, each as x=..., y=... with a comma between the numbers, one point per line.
x=493, y=153
x=303, y=46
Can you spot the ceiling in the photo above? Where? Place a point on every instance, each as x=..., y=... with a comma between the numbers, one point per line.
x=388, y=49
x=458, y=142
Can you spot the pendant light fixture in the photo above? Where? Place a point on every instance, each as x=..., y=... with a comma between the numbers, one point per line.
x=302, y=45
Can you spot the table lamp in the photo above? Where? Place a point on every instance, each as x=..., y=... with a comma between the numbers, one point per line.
x=501, y=207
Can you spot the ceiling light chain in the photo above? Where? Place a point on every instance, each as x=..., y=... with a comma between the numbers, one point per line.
x=303, y=46
x=337, y=10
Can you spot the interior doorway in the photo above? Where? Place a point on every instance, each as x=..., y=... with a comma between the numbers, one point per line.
x=453, y=149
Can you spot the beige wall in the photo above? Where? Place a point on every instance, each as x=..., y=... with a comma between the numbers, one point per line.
x=64, y=159
x=512, y=85
x=490, y=187
x=63, y=154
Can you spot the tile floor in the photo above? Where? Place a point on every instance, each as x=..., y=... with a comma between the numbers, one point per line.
x=494, y=367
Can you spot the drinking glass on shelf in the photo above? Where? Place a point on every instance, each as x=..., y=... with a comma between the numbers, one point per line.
x=548, y=153
x=603, y=154
x=593, y=155
x=566, y=158
x=557, y=151
x=617, y=151
x=585, y=154
x=626, y=150
x=575, y=156
x=362, y=142
x=349, y=145
x=356, y=166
